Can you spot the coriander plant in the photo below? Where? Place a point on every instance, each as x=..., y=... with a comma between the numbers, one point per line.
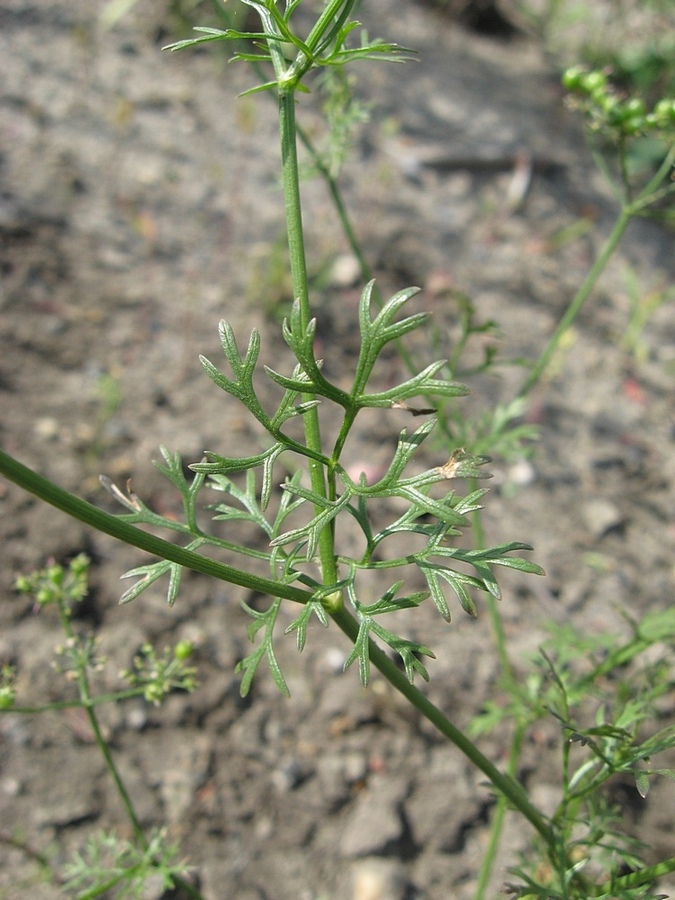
x=301, y=517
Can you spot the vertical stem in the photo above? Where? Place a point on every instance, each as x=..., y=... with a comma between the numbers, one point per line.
x=493, y=612
x=84, y=691
x=293, y=204
x=517, y=740
x=498, y=819
x=296, y=247
x=87, y=702
x=340, y=209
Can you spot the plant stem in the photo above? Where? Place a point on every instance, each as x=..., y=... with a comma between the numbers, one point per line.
x=495, y=618
x=290, y=177
x=296, y=247
x=86, y=703
x=98, y=700
x=129, y=534
x=642, y=876
x=498, y=818
x=578, y=301
x=649, y=194
x=506, y=785
x=291, y=185
x=108, y=524
x=517, y=740
x=341, y=210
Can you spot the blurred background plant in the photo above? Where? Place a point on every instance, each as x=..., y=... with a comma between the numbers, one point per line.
x=607, y=696
x=643, y=302
x=110, y=865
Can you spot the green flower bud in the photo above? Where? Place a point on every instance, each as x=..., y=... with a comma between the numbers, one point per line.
x=634, y=125
x=80, y=564
x=593, y=83
x=664, y=113
x=571, y=79
x=635, y=106
x=183, y=649
x=55, y=575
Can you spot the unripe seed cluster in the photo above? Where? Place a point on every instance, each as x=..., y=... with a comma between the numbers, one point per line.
x=594, y=94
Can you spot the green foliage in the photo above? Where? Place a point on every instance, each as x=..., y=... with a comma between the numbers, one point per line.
x=249, y=665
x=603, y=690
x=56, y=585
x=113, y=867
x=292, y=552
x=342, y=113
x=7, y=689
x=627, y=132
x=325, y=45
x=500, y=431
x=617, y=116
x=159, y=675
x=108, y=866
x=409, y=651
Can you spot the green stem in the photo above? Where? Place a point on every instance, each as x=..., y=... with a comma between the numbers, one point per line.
x=643, y=876
x=650, y=192
x=293, y=204
x=296, y=247
x=498, y=819
x=290, y=176
x=629, y=208
x=108, y=524
x=340, y=209
x=84, y=690
x=90, y=515
x=334, y=15
x=578, y=301
x=505, y=666
x=99, y=700
x=366, y=275
x=506, y=785
x=516, y=744
x=112, y=768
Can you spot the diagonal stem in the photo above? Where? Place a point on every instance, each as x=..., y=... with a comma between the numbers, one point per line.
x=506, y=785
x=108, y=524
x=578, y=301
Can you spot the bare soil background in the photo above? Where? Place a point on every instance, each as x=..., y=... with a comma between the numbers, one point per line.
x=138, y=206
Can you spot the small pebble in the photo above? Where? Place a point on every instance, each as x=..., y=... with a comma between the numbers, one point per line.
x=345, y=272
x=289, y=775
x=522, y=473
x=10, y=787
x=378, y=879
x=137, y=719
x=601, y=516
x=46, y=428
